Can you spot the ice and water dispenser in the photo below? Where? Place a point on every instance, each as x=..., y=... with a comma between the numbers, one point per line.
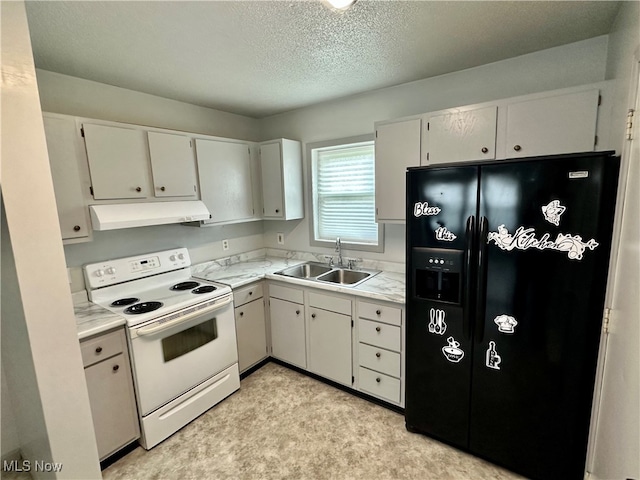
x=437, y=274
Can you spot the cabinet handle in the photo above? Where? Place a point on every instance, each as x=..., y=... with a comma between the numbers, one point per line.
x=241, y=314
x=378, y=354
x=162, y=189
x=138, y=189
x=313, y=315
x=250, y=293
x=378, y=380
x=517, y=148
x=377, y=329
x=277, y=210
x=297, y=312
x=116, y=368
x=485, y=150
x=378, y=312
x=99, y=350
x=76, y=228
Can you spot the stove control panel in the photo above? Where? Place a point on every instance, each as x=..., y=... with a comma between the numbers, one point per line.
x=121, y=270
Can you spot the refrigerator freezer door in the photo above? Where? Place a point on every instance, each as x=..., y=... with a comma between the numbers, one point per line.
x=438, y=341
x=535, y=352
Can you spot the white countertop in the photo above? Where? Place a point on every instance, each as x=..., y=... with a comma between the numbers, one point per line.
x=385, y=286
x=91, y=319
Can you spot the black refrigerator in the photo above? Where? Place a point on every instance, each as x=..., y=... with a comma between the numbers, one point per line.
x=507, y=266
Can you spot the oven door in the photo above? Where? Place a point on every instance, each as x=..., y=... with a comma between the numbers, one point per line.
x=172, y=355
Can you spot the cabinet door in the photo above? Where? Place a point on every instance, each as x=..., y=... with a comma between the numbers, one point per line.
x=397, y=147
x=460, y=136
x=330, y=345
x=251, y=334
x=118, y=162
x=65, y=171
x=552, y=125
x=172, y=164
x=225, y=179
x=272, y=187
x=115, y=418
x=287, y=332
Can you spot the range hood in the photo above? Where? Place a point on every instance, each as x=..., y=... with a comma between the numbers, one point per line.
x=129, y=215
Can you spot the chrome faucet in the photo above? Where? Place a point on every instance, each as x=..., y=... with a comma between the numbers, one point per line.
x=339, y=252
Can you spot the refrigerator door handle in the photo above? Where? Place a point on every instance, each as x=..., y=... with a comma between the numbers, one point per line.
x=481, y=278
x=470, y=234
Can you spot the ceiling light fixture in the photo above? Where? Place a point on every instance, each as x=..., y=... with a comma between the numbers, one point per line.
x=341, y=4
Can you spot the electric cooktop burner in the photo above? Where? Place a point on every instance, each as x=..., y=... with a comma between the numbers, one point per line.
x=204, y=289
x=123, y=302
x=185, y=286
x=144, y=307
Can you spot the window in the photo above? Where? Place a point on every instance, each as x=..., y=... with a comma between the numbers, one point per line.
x=343, y=189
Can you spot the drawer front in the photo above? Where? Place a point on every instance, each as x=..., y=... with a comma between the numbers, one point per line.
x=379, y=384
x=379, y=334
x=380, y=313
x=331, y=303
x=97, y=349
x=379, y=359
x=247, y=294
x=286, y=293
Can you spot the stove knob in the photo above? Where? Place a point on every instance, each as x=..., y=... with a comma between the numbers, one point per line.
x=111, y=270
x=99, y=273
x=181, y=256
x=173, y=258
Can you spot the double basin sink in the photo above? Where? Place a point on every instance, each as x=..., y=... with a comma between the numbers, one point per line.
x=319, y=272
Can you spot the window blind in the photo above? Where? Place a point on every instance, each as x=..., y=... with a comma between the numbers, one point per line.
x=345, y=194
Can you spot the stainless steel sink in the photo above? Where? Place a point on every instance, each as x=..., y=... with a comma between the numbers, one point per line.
x=318, y=272
x=344, y=276
x=306, y=270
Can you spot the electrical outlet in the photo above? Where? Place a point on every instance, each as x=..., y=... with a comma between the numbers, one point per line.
x=280, y=237
x=225, y=244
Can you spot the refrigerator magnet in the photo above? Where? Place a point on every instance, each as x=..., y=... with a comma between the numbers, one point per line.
x=552, y=212
x=436, y=321
x=452, y=352
x=493, y=359
x=506, y=323
x=423, y=208
x=443, y=233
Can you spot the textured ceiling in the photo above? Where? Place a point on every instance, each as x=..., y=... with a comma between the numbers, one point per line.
x=258, y=58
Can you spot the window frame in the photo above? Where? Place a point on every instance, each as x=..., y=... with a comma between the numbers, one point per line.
x=310, y=147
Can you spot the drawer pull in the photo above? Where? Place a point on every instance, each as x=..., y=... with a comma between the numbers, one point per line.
x=76, y=228
x=378, y=354
x=517, y=148
x=378, y=380
x=313, y=315
x=485, y=150
x=138, y=189
x=378, y=312
x=377, y=329
x=250, y=293
x=99, y=350
x=116, y=368
x=297, y=312
x=241, y=314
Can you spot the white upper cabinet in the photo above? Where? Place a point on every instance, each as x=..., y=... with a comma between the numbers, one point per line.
x=66, y=158
x=172, y=165
x=281, y=164
x=118, y=162
x=552, y=125
x=397, y=147
x=226, y=187
x=461, y=135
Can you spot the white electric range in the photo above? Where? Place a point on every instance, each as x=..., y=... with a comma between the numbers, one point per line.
x=181, y=333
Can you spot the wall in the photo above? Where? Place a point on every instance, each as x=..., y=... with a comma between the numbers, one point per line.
x=615, y=451
x=570, y=65
x=46, y=385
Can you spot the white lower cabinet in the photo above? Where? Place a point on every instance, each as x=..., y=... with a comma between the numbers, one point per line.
x=380, y=355
x=111, y=395
x=330, y=352
x=367, y=355
x=287, y=325
x=251, y=330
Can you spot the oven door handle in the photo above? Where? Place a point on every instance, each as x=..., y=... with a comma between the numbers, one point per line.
x=151, y=329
